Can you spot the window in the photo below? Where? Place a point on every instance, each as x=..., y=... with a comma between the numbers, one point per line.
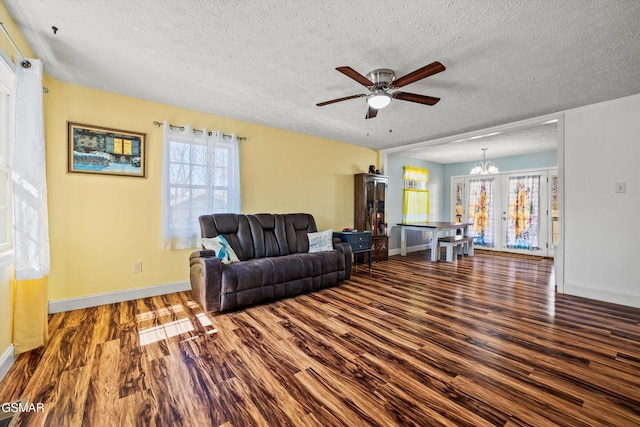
x=121, y=146
x=6, y=126
x=416, y=195
x=201, y=175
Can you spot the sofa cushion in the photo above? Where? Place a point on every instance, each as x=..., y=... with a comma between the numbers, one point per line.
x=224, y=252
x=254, y=273
x=297, y=227
x=260, y=272
x=269, y=235
x=321, y=241
x=235, y=228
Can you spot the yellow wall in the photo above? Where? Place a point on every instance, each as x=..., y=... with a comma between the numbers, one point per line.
x=100, y=225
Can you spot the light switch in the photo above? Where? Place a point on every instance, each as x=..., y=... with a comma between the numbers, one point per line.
x=621, y=187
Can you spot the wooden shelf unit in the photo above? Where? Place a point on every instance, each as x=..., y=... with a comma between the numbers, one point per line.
x=370, y=211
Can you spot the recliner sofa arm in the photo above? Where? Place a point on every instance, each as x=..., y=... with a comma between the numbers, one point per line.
x=345, y=249
x=204, y=254
x=206, y=279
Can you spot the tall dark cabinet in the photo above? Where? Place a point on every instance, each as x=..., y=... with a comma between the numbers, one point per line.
x=370, y=212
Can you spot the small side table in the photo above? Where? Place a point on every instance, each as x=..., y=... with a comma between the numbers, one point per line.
x=360, y=242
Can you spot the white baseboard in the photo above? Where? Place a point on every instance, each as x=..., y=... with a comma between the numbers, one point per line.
x=114, y=297
x=411, y=249
x=6, y=361
x=601, y=295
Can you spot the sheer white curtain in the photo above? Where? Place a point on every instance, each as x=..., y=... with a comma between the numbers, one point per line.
x=30, y=216
x=201, y=175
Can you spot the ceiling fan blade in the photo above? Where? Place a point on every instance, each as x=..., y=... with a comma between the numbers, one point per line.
x=350, y=72
x=371, y=113
x=320, y=104
x=414, y=97
x=419, y=74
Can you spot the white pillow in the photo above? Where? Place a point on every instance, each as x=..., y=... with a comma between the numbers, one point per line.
x=224, y=251
x=321, y=241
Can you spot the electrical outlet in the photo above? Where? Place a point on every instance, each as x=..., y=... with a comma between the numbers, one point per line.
x=137, y=267
x=621, y=187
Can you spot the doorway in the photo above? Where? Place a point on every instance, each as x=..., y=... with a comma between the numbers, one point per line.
x=510, y=212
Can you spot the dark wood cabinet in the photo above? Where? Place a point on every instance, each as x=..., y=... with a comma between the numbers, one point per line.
x=370, y=211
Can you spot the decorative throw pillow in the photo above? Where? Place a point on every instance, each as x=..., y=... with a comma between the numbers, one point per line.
x=224, y=251
x=320, y=241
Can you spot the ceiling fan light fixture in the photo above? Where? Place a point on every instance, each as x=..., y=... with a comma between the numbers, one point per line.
x=378, y=99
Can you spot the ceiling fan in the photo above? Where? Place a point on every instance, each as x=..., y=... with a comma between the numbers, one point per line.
x=381, y=82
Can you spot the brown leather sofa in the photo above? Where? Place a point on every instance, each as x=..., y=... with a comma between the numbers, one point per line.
x=274, y=260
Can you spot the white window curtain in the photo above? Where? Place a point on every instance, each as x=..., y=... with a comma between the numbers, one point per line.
x=201, y=175
x=30, y=216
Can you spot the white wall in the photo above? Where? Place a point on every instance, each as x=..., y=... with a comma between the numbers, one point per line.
x=601, y=148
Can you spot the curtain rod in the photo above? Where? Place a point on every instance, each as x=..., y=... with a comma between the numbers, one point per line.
x=24, y=63
x=240, y=138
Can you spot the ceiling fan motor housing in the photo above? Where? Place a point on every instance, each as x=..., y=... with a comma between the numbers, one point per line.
x=381, y=78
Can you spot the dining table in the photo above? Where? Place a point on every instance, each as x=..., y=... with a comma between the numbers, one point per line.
x=434, y=227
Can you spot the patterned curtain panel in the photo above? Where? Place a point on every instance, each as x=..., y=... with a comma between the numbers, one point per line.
x=481, y=211
x=523, y=214
x=416, y=195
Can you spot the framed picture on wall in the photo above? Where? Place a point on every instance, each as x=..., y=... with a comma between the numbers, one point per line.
x=98, y=150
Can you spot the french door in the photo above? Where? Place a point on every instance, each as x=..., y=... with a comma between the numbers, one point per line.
x=508, y=212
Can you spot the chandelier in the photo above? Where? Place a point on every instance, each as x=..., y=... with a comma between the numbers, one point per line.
x=484, y=167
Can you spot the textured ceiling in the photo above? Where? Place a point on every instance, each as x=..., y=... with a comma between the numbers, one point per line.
x=271, y=61
x=525, y=139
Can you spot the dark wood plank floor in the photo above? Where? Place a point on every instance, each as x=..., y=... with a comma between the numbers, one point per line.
x=482, y=341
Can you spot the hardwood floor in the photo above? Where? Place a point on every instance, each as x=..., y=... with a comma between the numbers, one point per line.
x=482, y=341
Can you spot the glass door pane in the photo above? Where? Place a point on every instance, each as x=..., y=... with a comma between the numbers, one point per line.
x=525, y=214
x=555, y=234
x=481, y=210
x=370, y=219
x=458, y=200
x=381, y=220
